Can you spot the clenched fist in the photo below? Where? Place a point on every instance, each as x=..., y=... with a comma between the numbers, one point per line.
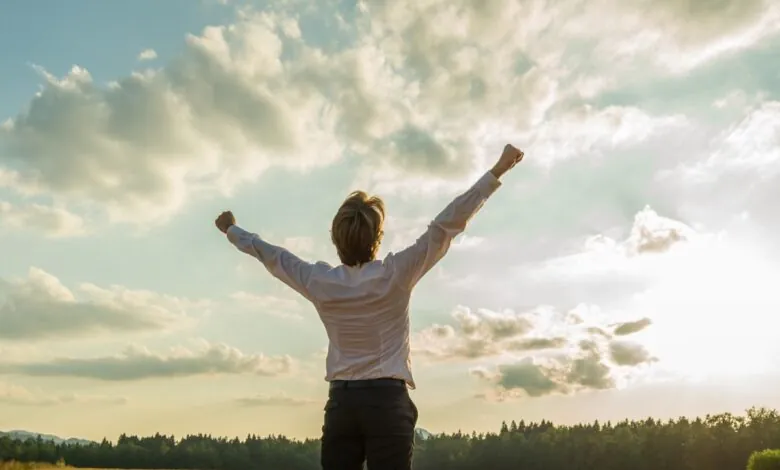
x=225, y=221
x=510, y=157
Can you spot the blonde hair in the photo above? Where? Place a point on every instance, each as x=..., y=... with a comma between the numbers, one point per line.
x=357, y=228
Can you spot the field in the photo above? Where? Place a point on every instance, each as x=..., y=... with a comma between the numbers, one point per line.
x=37, y=466
x=31, y=466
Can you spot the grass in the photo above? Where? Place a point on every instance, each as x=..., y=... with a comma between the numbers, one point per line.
x=31, y=466
x=38, y=466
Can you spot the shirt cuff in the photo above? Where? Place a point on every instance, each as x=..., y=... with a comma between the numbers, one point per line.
x=235, y=233
x=487, y=184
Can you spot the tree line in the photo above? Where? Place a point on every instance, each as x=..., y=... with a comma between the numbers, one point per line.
x=723, y=442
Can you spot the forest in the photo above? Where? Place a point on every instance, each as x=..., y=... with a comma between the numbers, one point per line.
x=723, y=442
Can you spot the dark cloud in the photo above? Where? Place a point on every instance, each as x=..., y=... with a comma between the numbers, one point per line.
x=632, y=327
x=628, y=354
x=534, y=344
x=599, y=331
x=590, y=373
x=561, y=373
x=529, y=377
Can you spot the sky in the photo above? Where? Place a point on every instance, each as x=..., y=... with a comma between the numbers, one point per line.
x=626, y=268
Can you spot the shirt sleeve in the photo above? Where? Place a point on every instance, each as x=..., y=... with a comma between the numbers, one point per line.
x=412, y=263
x=282, y=264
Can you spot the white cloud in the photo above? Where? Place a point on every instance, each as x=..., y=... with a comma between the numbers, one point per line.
x=646, y=38
x=41, y=307
x=283, y=307
x=49, y=221
x=467, y=242
x=302, y=246
x=147, y=54
x=273, y=400
x=403, y=231
x=603, y=256
x=751, y=146
x=138, y=363
x=588, y=131
x=416, y=99
x=736, y=183
x=220, y=114
x=17, y=395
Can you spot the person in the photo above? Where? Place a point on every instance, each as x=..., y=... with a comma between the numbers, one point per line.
x=363, y=304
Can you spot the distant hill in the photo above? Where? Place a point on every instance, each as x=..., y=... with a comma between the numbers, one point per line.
x=422, y=434
x=25, y=435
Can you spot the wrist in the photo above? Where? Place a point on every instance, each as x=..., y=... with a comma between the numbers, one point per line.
x=497, y=171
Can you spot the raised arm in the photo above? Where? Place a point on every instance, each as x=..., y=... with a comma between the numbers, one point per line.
x=281, y=263
x=412, y=263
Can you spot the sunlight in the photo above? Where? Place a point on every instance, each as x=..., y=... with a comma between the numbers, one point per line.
x=714, y=310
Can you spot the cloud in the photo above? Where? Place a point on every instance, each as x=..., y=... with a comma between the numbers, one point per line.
x=665, y=37
x=699, y=288
x=540, y=351
x=533, y=377
x=223, y=111
x=41, y=307
x=147, y=54
x=654, y=234
x=523, y=375
x=302, y=246
x=636, y=256
x=467, y=242
x=49, y=221
x=476, y=334
x=482, y=333
x=745, y=155
x=421, y=105
x=17, y=395
x=273, y=400
x=631, y=327
x=628, y=354
x=533, y=344
x=587, y=131
x=139, y=363
x=281, y=307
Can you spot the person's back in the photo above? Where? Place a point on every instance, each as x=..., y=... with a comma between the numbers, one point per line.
x=364, y=305
x=366, y=316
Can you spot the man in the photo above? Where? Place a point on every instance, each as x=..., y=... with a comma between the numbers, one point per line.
x=364, y=305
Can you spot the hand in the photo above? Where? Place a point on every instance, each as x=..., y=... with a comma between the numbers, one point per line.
x=225, y=221
x=510, y=157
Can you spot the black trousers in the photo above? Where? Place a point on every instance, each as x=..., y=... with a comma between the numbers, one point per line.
x=372, y=424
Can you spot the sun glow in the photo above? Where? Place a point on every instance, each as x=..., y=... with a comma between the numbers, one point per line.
x=714, y=307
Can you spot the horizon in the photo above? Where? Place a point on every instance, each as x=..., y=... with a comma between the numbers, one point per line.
x=509, y=423
x=623, y=270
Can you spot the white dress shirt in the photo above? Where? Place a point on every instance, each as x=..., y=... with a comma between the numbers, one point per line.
x=365, y=309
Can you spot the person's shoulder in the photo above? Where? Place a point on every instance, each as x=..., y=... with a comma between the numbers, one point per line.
x=322, y=267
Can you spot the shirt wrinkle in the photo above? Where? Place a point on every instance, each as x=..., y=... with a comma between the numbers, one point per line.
x=365, y=309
